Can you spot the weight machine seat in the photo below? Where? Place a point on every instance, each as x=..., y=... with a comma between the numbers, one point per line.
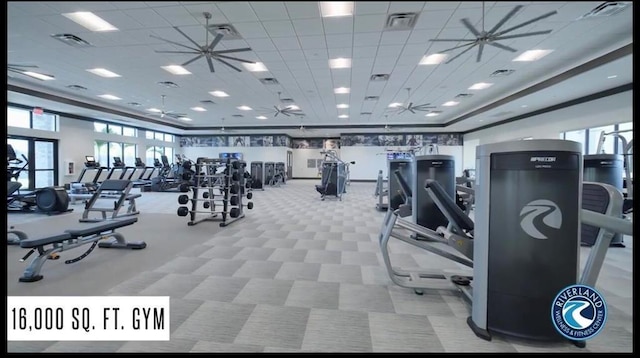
x=12, y=187
x=456, y=214
x=76, y=233
x=594, y=198
x=114, y=185
x=403, y=184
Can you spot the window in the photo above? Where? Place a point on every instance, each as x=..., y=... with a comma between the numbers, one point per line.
x=40, y=169
x=114, y=129
x=149, y=134
x=104, y=152
x=159, y=136
x=168, y=138
x=22, y=118
x=165, y=137
x=577, y=136
x=623, y=127
x=129, y=132
x=100, y=127
x=155, y=151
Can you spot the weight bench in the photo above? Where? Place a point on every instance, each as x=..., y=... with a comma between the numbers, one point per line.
x=456, y=235
x=111, y=189
x=49, y=247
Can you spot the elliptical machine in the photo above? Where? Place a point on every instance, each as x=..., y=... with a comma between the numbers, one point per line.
x=49, y=200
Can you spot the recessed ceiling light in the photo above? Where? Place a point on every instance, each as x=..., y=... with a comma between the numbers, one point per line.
x=187, y=119
x=434, y=59
x=342, y=105
x=39, y=76
x=154, y=110
x=336, y=8
x=343, y=116
x=109, y=96
x=340, y=63
x=341, y=90
x=261, y=117
x=432, y=114
x=532, y=55
x=102, y=72
x=244, y=108
x=176, y=70
x=524, y=106
x=199, y=109
x=480, y=86
x=612, y=76
x=394, y=105
x=450, y=103
x=218, y=94
x=294, y=107
x=255, y=67
x=90, y=20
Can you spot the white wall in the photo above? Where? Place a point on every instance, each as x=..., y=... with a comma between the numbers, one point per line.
x=300, y=157
x=469, y=153
x=76, y=140
x=370, y=160
x=613, y=109
x=250, y=154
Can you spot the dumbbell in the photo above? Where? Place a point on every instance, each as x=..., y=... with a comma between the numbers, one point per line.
x=184, y=198
x=184, y=211
x=184, y=187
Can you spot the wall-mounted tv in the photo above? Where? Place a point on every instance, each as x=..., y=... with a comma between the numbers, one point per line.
x=237, y=156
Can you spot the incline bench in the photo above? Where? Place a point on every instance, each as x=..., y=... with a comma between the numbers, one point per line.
x=111, y=189
x=48, y=247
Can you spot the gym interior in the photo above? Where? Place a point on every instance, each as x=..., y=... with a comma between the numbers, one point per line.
x=322, y=176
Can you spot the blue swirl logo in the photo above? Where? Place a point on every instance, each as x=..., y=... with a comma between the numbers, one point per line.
x=579, y=312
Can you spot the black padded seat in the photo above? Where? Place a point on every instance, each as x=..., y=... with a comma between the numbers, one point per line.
x=114, y=185
x=594, y=198
x=460, y=218
x=106, y=225
x=35, y=242
x=403, y=183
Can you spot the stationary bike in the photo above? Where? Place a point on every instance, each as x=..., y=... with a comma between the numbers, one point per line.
x=49, y=200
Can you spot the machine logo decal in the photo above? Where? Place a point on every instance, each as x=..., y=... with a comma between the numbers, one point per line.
x=537, y=213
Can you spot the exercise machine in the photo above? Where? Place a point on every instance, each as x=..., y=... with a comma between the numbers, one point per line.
x=49, y=200
x=257, y=175
x=440, y=168
x=334, y=175
x=118, y=164
x=103, y=235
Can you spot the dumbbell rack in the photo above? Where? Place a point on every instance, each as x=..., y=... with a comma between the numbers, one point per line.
x=224, y=188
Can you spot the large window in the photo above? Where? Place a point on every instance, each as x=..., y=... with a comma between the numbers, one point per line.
x=115, y=129
x=104, y=152
x=154, y=152
x=18, y=117
x=165, y=137
x=577, y=136
x=590, y=138
x=40, y=169
x=594, y=139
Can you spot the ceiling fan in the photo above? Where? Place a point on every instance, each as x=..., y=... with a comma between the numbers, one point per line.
x=490, y=37
x=400, y=108
x=162, y=113
x=224, y=130
x=26, y=70
x=206, y=50
x=285, y=111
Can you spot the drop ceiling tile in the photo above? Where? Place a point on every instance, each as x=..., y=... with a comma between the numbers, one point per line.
x=344, y=52
x=237, y=11
x=338, y=25
x=369, y=23
x=251, y=30
x=286, y=43
x=371, y=7
x=318, y=64
x=368, y=52
x=283, y=28
x=389, y=51
x=394, y=37
x=367, y=39
x=303, y=9
x=316, y=54
x=434, y=19
x=422, y=36
x=308, y=27
x=312, y=42
x=269, y=10
x=339, y=41
x=147, y=18
x=293, y=55
x=261, y=44
x=405, y=6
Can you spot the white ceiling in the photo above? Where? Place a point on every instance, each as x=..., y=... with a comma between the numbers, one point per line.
x=295, y=43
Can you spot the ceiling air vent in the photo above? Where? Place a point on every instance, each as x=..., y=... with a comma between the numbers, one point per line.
x=286, y=100
x=503, y=113
x=371, y=98
x=401, y=21
x=71, y=40
x=134, y=104
x=207, y=101
x=379, y=77
x=269, y=81
x=463, y=95
x=237, y=115
x=229, y=32
x=168, y=84
x=501, y=73
x=365, y=113
x=607, y=8
x=77, y=87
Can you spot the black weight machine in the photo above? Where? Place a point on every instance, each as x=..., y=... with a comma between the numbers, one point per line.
x=335, y=175
x=49, y=200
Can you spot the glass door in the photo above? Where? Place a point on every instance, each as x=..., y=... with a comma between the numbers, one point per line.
x=289, y=164
x=41, y=163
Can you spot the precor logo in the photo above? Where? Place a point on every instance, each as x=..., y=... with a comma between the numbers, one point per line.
x=540, y=212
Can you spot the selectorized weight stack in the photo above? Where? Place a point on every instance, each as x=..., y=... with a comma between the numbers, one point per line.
x=269, y=173
x=526, y=237
x=440, y=168
x=222, y=183
x=281, y=172
x=395, y=194
x=257, y=175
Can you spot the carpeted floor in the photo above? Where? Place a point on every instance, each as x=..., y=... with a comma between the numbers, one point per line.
x=295, y=275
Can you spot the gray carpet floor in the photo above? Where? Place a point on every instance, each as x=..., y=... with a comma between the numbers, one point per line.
x=297, y=274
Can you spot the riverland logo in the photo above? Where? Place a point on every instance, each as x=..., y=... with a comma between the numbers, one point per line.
x=579, y=312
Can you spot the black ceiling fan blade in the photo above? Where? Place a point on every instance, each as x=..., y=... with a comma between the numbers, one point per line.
x=457, y=47
x=505, y=19
x=215, y=41
x=526, y=23
x=535, y=33
x=191, y=60
x=275, y=115
x=210, y=63
x=480, y=48
x=470, y=27
x=423, y=107
x=228, y=64
x=175, y=43
x=461, y=53
x=501, y=46
x=187, y=37
x=454, y=40
x=235, y=50
x=193, y=52
x=411, y=110
x=234, y=58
